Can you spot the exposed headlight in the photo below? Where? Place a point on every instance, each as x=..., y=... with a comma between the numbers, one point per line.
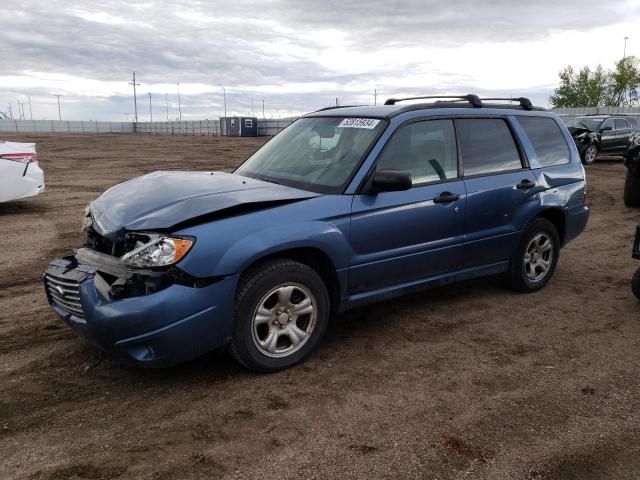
x=159, y=252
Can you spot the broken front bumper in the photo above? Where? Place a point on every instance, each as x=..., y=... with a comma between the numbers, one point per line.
x=157, y=328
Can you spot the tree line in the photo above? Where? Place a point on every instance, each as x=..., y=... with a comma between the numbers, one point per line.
x=619, y=87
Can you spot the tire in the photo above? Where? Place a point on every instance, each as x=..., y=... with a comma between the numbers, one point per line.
x=282, y=311
x=527, y=272
x=632, y=190
x=635, y=283
x=589, y=154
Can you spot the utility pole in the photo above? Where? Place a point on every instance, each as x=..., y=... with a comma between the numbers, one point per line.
x=59, y=113
x=375, y=96
x=624, y=54
x=224, y=93
x=179, y=106
x=263, y=108
x=10, y=112
x=150, y=109
x=166, y=104
x=135, y=98
x=30, y=111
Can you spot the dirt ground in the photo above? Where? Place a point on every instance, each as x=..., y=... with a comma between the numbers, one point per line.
x=467, y=381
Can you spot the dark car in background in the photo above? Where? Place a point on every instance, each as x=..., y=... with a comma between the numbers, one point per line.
x=602, y=135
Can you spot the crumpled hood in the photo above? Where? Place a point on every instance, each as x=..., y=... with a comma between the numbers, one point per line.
x=578, y=130
x=162, y=200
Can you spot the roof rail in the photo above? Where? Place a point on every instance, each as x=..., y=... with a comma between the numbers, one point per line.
x=472, y=99
x=524, y=101
x=337, y=106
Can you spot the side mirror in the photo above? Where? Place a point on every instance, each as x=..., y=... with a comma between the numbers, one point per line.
x=607, y=128
x=390, y=181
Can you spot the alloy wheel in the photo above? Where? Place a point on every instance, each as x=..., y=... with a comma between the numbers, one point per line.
x=284, y=320
x=538, y=257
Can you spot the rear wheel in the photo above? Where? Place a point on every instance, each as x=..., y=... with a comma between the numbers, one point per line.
x=534, y=261
x=282, y=311
x=589, y=154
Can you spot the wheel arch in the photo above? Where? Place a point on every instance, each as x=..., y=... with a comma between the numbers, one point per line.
x=314, y=258
x=557, y=217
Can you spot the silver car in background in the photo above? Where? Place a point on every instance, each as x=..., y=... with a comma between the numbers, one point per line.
x=20, y=174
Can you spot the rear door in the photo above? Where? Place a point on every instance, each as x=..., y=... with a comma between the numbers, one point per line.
x=403, y=236
x=623, y=133
x=498, y=182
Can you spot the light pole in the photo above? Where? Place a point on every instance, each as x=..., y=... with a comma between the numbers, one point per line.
x=624, y=54
x=224, y=93
x=150, y=109
x=179, y=105
x=135, y=98
x=30, y=111
x=59, y=112
x=263, y=108
x=166, y=104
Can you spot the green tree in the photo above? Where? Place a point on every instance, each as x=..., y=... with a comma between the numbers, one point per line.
x=586, y=88
x=624, y=83
x=599, y=88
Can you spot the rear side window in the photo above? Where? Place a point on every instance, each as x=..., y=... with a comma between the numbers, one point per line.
x=487, y=146
x=622, y=124
x=547, y=140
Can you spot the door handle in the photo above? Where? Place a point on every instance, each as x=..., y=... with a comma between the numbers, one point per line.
x=525, y=184
x=446, y=197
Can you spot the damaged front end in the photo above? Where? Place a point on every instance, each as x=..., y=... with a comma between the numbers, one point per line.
x=113, y=268
x=583, y=137
x=150, y=316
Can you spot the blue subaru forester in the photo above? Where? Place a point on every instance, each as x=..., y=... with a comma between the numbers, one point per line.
x=345, y=207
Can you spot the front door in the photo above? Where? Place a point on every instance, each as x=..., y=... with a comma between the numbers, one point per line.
x=414, y=234
x=608, y=143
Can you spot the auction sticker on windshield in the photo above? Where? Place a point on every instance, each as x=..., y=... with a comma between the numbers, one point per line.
x=368, y=123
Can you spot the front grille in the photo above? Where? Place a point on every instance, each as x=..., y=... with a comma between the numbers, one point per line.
x=65, y=293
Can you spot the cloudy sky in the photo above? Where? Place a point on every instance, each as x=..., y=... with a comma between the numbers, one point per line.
x=297, y=56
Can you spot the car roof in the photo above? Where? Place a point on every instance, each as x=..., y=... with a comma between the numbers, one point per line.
x=461, y=105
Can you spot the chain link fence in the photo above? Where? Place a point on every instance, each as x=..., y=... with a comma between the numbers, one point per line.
x=266, y=127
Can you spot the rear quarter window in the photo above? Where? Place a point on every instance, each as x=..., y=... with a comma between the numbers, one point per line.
x=487, y=146
x=547, y=140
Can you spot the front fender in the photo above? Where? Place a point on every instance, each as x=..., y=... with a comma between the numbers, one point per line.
x=314, y=234
x=227, y=246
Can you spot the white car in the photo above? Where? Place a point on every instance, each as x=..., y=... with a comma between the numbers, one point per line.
x=20, y=175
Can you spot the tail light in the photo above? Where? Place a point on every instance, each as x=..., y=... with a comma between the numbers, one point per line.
x=584, y=197
x=20, y=157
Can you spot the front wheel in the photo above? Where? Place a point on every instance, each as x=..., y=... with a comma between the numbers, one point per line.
x=534, y=261
x=590, y=154
x=282, y=311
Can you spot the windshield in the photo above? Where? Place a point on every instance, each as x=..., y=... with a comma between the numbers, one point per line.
x=589, y=123
x=316, y=154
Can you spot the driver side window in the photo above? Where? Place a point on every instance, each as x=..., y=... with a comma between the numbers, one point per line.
x=608, y=125
x=426, y=149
